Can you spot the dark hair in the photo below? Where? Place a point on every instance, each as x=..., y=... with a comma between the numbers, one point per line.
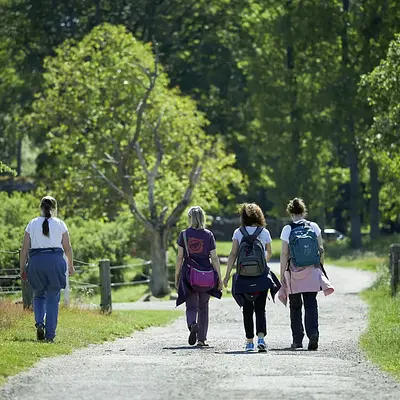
x=47, y=205
x=250, y=213
x=297, y=207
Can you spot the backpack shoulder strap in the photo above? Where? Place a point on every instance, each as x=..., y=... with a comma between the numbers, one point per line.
x=185, y=241
x=244, y=231
x=258, y=231
x=296, y=225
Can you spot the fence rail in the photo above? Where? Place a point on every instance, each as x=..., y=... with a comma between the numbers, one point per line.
x=133, y=283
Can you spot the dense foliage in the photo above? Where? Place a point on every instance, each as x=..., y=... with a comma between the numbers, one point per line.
x=92, y=240
x=276, y=83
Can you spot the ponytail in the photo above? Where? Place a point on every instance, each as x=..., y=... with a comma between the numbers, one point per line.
x=48, y=206
x=45, y=225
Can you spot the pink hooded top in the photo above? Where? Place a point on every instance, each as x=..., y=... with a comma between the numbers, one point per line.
x=309, y=279
x=304, y=279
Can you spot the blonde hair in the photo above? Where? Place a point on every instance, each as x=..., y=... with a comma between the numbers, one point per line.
x=197, y=217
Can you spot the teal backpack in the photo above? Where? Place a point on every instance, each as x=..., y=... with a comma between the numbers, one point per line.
x=303, y=245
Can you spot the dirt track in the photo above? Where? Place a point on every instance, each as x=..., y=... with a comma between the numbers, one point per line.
x=158, y=363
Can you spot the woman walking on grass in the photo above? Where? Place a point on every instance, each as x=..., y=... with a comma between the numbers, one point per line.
x=196, y=276
x=251, y=246
x=302, y=273
x=46, y=240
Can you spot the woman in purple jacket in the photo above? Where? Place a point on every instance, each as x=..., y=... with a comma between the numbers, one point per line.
x=198, y=244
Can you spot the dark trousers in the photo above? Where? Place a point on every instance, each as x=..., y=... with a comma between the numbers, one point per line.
x=257, y=307
x=311, y=315
x=197, y=311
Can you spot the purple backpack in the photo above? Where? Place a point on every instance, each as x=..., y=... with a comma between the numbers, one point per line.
x=200, y=280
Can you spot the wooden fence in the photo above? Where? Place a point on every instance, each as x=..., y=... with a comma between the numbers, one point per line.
x=104, y=283
x=394, y=267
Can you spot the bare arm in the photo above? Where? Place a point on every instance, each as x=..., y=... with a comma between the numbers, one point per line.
x=66, y=244
x=23, y=256
x=231, y=260
x=284, y=257
x=268, y=247
x=178, y=264
x=321, y=249
x=215, y=263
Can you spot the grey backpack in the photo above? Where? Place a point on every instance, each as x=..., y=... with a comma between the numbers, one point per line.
x=251, y=259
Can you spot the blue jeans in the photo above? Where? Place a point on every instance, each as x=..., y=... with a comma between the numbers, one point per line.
x=311, y=315
x=47, y=276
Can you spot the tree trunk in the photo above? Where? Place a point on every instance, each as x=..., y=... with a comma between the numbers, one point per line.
x=354, y=195
x=374, y=202
x=159, y=271
x=296, y=170
x=19, y=157
x=98, y=12
x=347, y=72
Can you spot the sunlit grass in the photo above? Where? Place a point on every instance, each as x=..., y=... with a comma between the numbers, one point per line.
x=370, y=257
x=381, y=341
x=368, y=263
x=77, y=328
x=124, y=294
x=224, y=248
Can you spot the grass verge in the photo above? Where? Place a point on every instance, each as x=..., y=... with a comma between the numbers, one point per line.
x=381, y=341
x=341, y=254
x=77, y=328
x=121, y=295
x=224, y=248
x=371, y=256
x=363, y=261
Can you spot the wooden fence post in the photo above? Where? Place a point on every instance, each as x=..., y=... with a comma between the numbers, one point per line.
x=27, y=294
x=105, y=286
x=394, y=259
x=67, y=291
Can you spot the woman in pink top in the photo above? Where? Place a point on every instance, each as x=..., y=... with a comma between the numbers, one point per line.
x=302, y=241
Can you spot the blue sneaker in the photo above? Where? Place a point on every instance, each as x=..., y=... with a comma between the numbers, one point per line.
x=249, y=346
x=261, y=346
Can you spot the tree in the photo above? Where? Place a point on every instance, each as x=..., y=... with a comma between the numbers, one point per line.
x=302, y=62
x=5, y=169
x=287, y=53
x=11, y=84
x=107, y=110
x=190, y=36
x=382, y=140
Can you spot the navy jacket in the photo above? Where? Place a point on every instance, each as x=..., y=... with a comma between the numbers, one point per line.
x=252, y=284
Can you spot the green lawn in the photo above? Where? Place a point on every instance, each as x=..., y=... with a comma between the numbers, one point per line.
x=365, y=262
x=124, y=294
x=381, y=342
x=224, y=248
x=77, y=328
x=370, y=257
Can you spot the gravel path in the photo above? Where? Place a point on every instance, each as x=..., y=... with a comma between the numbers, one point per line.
x=158, y=363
